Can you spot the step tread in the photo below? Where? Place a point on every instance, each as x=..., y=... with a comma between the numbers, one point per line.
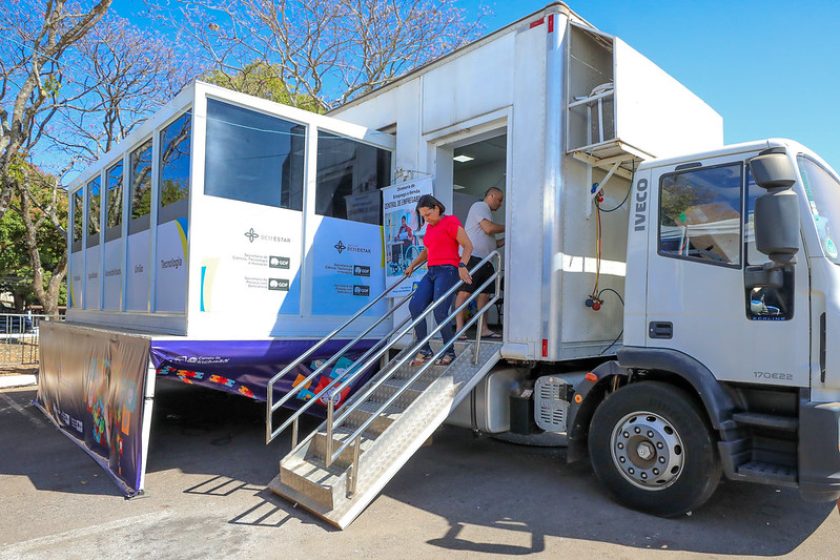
x=781, y=473
x=762, y=420
x=396, y=445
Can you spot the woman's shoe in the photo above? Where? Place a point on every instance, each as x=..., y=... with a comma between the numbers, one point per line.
x=444, y=361
x=419, y=360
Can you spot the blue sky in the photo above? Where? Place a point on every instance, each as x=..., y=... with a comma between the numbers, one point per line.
x=771, y=68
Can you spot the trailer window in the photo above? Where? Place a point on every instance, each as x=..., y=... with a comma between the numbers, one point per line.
x=175, y=169
x=700, y=215
x=350, y=175
x=113, y=202
x=141, y=187
x=78, y=219
x=94, y=197
x=253, y=157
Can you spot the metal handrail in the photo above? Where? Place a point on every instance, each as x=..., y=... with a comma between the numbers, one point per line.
x=431, y=309
x=330, y=456
x=293, y=419
x=270, y=405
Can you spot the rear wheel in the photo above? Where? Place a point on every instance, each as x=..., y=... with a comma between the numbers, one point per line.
x=652, y=449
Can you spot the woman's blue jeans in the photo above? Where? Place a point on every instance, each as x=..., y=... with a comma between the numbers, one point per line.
x=437, y=281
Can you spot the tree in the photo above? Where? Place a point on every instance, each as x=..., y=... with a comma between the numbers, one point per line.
x=107, y=82
x=325, y=50
x=261, y=79
x=37, y=36
x=130, y=74
x=33, y=248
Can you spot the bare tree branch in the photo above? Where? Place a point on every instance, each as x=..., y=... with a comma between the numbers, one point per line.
x=327, y=51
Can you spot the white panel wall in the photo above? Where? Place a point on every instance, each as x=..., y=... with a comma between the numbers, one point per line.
x=473, y=84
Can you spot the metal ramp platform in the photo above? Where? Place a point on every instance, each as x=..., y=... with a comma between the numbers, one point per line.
x=339, y=468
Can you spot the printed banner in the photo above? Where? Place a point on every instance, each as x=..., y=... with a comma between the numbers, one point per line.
x=251, y=260
x=244, y=367
x=348, y=267
x=92, y=259
x=113, y=275
x=172, y=253
x=92, y=385
x=403, y=238
x=137, y=271
x=76, y=272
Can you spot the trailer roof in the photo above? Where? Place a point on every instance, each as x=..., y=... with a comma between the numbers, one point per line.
x=552, y=7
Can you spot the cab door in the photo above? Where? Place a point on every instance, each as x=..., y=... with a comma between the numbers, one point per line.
x=703, y=298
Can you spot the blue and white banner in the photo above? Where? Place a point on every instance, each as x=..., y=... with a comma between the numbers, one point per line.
x=348, y=267
x=403, y=235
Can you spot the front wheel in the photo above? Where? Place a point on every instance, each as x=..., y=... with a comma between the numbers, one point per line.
x=652, y=449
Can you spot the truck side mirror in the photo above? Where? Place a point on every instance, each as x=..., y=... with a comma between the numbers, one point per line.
x=776, y=211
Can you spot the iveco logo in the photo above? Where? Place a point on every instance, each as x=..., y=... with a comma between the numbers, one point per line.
x=641, y=204
x=340, y=247
x=251, y=235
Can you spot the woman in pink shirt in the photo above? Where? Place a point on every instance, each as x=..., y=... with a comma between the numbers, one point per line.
x=444, y=235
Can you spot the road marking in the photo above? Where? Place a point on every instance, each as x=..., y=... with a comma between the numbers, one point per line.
x=38, y=422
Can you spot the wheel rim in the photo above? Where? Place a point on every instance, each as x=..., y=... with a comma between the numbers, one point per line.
x=647, y=450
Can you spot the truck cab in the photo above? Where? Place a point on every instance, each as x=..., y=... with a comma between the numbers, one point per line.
x=727, y=364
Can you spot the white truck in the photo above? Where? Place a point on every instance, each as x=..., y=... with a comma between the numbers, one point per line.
x=667, y=302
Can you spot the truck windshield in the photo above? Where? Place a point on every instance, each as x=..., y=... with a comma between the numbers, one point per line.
x=823, y=192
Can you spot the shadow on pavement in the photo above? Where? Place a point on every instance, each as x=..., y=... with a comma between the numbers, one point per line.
x=33, y=447
x=527, y=494
x=522, y=495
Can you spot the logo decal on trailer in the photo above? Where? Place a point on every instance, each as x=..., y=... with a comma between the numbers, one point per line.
x=641, y=204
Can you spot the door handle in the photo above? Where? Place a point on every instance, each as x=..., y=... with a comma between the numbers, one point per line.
x=661, y=329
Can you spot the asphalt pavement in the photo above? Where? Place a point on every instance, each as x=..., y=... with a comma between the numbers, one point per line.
x=459, y=497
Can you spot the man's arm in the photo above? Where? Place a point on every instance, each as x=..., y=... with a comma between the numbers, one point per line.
x=491, y=228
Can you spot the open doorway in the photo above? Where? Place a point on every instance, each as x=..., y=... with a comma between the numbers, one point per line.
x=478, y=165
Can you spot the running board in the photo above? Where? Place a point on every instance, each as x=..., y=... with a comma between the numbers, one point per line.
x=387, y=443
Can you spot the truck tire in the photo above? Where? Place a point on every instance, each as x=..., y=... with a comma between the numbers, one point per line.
x=651, y=447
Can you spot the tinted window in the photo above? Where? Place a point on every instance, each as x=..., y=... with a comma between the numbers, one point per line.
x=78, y=219
x=141, y=187
x=350, y=175
x=253, y=157
x=700, y=215
x=94, y=204
x=175, y=169
x=114, y=200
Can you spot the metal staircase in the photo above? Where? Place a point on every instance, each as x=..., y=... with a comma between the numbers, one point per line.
x=339, y=468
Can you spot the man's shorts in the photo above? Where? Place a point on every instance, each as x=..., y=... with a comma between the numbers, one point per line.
x=479, y=277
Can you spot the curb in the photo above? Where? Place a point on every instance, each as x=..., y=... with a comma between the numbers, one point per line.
x=13, y=381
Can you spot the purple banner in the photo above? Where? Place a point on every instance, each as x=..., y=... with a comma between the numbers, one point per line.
x=244, y=367
x=92, y=385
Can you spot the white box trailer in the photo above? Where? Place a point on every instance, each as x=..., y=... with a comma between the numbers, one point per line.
x=182, y=227
x=569, y=105
x=562, y=118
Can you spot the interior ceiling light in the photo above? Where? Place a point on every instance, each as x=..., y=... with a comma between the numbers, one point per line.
x=463, y=158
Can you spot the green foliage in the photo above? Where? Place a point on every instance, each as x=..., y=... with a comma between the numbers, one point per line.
x=264, y=80
x=173, y=191
x=16, y=274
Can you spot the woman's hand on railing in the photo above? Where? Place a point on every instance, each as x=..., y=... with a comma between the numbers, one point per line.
x=409, y=270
